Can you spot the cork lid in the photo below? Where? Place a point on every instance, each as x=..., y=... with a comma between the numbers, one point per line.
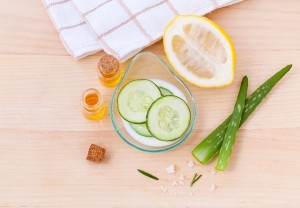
x=108, y=65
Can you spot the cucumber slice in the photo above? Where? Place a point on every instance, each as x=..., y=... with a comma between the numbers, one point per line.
x=141, y=129
x=165, y=91
x=135, y=99
x=168, y=118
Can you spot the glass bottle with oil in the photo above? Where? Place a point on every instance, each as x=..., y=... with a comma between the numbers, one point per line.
x=109, y=70
x=92, y=104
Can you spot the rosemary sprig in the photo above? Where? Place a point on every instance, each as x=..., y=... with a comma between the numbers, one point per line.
x=148, y=174
x=195, y=178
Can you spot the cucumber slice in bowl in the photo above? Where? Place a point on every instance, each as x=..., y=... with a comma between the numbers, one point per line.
x=135, y=99
x=141, y=129
x=168, y=118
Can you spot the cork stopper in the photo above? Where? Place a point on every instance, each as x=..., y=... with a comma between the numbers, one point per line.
x=96, y=153
x=108, y=65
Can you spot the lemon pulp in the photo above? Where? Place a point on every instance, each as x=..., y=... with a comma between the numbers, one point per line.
x=200, y=51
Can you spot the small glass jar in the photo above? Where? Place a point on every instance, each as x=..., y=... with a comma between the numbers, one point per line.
x=109, y=71
x=92, y=104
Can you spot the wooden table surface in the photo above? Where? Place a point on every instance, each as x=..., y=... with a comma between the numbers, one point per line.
x=44, y=138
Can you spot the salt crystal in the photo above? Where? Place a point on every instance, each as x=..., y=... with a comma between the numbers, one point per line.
x=181, y=177
x=181, y=180
x=170, y=168
x=191, y=163
x=174, y=183
x=163, y=189
x=212, y=171
x=212, y=187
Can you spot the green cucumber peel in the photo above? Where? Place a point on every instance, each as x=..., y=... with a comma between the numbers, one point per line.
x=210, y=146
x=164, y=91
x=233, y=127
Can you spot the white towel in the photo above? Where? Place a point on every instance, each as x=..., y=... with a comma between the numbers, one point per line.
x=121, y=28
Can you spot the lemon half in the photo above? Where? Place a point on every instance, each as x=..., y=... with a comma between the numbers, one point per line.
x=200, y=51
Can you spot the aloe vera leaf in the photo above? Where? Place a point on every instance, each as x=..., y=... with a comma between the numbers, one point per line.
x=210, y=146
x=233, y=127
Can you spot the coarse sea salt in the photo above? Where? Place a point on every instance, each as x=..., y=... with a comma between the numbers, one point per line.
x=182, y=183
x=174, y=183
x=163, y=189
x=181, y=180
x=212, y=171
x=170, y=169
x=212, y=187
x=191, y=164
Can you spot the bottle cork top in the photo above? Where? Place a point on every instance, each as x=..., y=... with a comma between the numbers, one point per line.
x=108, y=65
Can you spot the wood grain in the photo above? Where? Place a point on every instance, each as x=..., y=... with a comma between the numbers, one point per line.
x=44, y=138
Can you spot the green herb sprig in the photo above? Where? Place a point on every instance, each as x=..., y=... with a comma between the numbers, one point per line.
x=195, y=178
x=148, y=174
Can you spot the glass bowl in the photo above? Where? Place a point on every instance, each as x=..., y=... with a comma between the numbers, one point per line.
x=147, y=65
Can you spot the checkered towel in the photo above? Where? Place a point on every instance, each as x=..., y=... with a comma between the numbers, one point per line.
x=121, y=28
